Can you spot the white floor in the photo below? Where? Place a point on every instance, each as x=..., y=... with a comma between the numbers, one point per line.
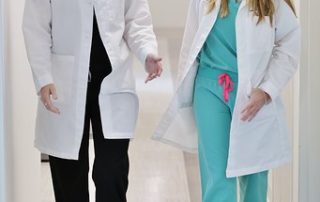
x=158, y=173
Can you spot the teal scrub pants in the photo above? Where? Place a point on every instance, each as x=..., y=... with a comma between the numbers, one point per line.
x=213, y=108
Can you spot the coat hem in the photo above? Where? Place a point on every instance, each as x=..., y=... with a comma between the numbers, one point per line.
x=56, y=154
x=177, y=145
x=71, y=156
x=119, y=136
x=252, y=170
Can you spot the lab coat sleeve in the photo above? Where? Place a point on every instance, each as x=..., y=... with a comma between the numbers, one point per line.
x=191, y=28
x=37, y=35
x=286, y=53
x=139, y=33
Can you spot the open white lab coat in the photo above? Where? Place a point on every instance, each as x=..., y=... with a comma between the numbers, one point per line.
x=267, y=58
x=58, y=37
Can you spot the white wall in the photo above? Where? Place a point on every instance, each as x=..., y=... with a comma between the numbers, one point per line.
x=2, y=131
x=23, y=161
x=309, y=180
x=169, y=13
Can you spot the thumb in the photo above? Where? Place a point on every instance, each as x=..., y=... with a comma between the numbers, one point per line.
x=157, y=59
x=54, y=93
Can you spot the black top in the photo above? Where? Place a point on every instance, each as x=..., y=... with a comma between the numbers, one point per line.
x=99, y=60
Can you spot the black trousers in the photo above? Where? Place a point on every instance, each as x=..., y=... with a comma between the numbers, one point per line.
x=111, y=164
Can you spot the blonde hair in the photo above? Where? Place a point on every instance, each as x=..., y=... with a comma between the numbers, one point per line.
x=260, y=8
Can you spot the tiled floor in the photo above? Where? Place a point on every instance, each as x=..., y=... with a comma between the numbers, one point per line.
x=158, y=173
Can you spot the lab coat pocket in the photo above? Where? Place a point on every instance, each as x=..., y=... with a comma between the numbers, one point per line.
x=266, y=113
x=119, y=114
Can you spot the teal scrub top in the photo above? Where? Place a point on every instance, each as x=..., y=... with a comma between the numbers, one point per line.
x=220, y=50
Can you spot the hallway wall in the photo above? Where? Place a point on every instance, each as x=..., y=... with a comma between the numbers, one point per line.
x=168, y=13
x=23, y=161
x=309, y=178
x=2, y=131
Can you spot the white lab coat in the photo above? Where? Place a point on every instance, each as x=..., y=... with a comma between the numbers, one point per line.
x=58, y=37
x=267, y=58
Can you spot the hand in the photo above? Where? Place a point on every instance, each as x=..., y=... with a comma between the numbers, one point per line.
x=153, y=67
x=257, y=100
x=46, y=93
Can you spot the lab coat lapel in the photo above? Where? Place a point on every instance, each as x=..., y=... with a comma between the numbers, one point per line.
x=206, y=22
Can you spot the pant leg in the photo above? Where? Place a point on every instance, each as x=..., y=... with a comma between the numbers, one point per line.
x=213, y=118
x=70, y=177
x=111, y=164
x=254, y=187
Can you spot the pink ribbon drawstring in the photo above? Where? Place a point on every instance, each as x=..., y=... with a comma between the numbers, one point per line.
x=225, y=80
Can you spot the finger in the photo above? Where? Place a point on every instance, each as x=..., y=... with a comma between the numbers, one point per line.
x=156, y=59
x=54, y=93
x=154, y=76
x=46, y=102
x=42, y=99
x=151, y=77
x=45, y=96
x=53, y=109
x=247, y=107
x=244, y=117
x=148, y=78
x=247, y=114
x=159, y=71
x=253, y=114
x=49, y=105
